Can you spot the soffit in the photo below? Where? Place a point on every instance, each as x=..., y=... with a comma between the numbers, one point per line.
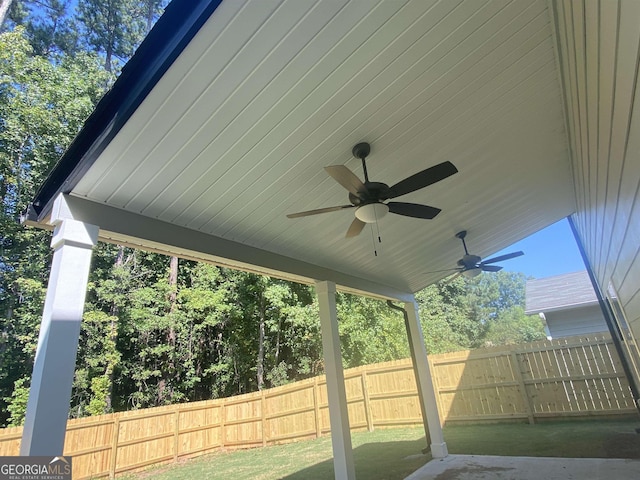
x=237, y=132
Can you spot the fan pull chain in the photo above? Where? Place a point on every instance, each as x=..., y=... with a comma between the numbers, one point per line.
x=373, y=234
x=373, y=242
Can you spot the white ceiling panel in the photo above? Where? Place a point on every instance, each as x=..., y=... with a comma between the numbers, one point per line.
x=237, y=132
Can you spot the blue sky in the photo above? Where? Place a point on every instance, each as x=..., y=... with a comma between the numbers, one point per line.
x=551, y=251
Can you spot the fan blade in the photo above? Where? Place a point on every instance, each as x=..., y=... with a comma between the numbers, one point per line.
x=490, y=268
x=413, y=210
x=453, y=277
x=502, y=258
x=346, y=178
x=445, y=270
x=422, y=179
x=319, y=210
x=355, y=228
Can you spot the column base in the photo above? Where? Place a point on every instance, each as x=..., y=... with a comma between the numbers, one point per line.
x=439, y=450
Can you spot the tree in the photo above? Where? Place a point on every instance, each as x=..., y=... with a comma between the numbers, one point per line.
x=151, y=10
x=42, y=106
x=512, y=327
x=369, y=331
x=489, y=294
x=114, y=28
x=445, y=319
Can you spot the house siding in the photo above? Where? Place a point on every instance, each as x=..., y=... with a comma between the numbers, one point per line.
x=598, y=48
x=579, y=321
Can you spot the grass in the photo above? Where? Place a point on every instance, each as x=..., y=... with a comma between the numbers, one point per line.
x=571, y=439
x=395, y=453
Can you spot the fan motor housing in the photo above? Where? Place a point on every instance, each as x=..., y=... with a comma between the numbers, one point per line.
x=469, y=261
x=376, y=191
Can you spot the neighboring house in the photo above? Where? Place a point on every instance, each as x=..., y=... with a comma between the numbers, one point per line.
x=566, y=303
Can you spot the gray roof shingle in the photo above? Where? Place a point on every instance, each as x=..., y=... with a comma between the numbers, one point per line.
x=559, y=292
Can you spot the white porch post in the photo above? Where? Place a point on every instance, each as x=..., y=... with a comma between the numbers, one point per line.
x=54, y=366
x=343, y=465
x=425, y=382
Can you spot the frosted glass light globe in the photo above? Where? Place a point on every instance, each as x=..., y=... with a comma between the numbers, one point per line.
x=371, y=212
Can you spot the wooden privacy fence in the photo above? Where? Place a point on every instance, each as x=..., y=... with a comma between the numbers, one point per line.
x=578, y=376
x=568, y=377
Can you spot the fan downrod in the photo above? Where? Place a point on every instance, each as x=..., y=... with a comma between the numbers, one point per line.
x=461, y=236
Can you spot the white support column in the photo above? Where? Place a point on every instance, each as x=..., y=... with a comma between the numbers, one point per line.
x=54, y=366
x=343, y=465
x=425, y=382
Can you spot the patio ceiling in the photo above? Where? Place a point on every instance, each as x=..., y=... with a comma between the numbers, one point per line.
x=236, y=133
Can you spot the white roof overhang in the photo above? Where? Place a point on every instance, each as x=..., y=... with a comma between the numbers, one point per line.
x=234, y=110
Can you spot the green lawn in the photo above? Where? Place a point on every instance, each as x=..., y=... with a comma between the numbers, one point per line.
x=395, y=453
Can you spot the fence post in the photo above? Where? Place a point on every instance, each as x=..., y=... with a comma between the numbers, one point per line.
x=263, y=412
x=316, y=407
x=114, y=447
x=515, y=361
x=367, y=402
x=176, y=435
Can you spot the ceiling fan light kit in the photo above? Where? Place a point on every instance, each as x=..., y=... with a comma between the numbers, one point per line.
x=368, y=197
x=371, y=212
x=472, y=272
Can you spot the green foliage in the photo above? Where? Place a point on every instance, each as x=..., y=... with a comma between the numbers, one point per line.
x=42, y=106
x=512, y=326
x=100, y=392
x=489, y=294
x=279, y=374
x=369, y=331
x=446, y=323
x=17, y=403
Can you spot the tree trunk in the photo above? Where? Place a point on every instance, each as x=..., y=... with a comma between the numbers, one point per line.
x=277, y=355
x=107, y=59
x=110, y=43
x=173, y=282
x=171, y=334
x=260, y=369
x=113, y=336
x=150, y=9
x=5, y=5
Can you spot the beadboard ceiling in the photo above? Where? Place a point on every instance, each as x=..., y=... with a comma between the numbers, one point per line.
x=236, y=133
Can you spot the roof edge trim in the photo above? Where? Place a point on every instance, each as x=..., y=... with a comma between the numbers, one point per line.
x=569, y=306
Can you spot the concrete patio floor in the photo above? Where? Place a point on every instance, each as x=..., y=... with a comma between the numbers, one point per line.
x=486, y=467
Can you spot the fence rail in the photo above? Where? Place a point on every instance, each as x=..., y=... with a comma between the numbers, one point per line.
x=577, y=376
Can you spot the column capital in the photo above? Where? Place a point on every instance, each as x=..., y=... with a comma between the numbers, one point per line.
x=68, y=230
x=325, y=286
x=75, y=233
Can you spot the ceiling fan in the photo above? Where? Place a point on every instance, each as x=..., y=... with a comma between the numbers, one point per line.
x=472, y=265
x=368, y=198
